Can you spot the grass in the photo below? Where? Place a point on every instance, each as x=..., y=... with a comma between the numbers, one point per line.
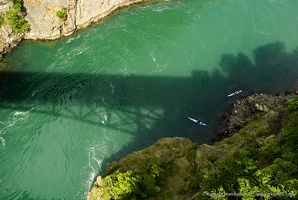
x=257, y=118
x=229, y=141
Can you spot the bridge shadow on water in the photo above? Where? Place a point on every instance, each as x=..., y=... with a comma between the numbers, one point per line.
x=167, y=101
x=273, y=71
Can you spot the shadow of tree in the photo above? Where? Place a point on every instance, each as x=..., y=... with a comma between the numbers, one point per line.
x=274, y=70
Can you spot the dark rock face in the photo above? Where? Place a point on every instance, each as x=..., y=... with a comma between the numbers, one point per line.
x=254, y=105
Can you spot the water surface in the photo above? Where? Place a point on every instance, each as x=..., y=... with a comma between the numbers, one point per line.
x=70, y=106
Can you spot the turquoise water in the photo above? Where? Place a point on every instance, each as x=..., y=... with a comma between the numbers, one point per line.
x=69, y=107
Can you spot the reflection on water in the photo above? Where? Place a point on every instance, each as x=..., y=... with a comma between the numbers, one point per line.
x=69, y=107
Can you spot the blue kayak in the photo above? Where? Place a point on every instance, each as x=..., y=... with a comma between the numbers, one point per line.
x=197, y=121
x=234, y=93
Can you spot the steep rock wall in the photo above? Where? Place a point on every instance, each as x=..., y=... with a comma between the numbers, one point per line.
x=192, y=161
x=8, y=38
x=45, y=25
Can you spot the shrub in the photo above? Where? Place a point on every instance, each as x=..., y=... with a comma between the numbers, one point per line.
x=293, y=105
x=229, y=141
x=212, y=158
x=1, y=20
x=190, y=182
x=17, y=5
x=122, y=185
x=262, y=132
x=137, y=184
x=18, y=23
x=257, y=118
x=15, y=17
x=166, y=195
x=271, y=168
x=269, y=152
x=62, y=14
x=182, y=189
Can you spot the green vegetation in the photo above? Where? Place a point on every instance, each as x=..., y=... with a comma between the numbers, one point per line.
x=17, y=22
x=262, y=132
x=17, y=4
x=229, y=141
x=258, y=162
x=293, y=105
x=138, y=184
x=268, y=170
x=62, y=14
x=212, y=158
x=256, y=118
x=190, y=182
x=1, y=20
x=15, y=17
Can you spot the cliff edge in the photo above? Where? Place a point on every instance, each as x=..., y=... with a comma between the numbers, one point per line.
x=8, y=38
x=45, y=25
x=258, y=158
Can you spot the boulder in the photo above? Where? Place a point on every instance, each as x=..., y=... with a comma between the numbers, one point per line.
x=262, y=108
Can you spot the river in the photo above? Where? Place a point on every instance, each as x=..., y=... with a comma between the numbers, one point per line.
x=69, y=107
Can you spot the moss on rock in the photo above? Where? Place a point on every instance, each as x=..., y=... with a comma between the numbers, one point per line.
x=249, y=158
x=176, y=156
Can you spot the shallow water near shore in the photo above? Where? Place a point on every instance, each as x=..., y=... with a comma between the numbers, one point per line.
x=69, y=107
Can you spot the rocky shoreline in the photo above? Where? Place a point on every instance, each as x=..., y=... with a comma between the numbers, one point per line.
x=45, y=25
x=245, y=108
x=192, y=160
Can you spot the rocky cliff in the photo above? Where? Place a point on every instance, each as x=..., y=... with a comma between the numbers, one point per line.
x=256, y=120
x=45, y=25
x=8, y=38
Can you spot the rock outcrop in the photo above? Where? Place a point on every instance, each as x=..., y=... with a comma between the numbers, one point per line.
x=45, y=25
x=247, y=107
x=8, y=38
x=192, y=161
x=180, y=152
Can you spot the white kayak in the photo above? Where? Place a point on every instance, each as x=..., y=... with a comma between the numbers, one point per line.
x=234, y=93
x=197, y=121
